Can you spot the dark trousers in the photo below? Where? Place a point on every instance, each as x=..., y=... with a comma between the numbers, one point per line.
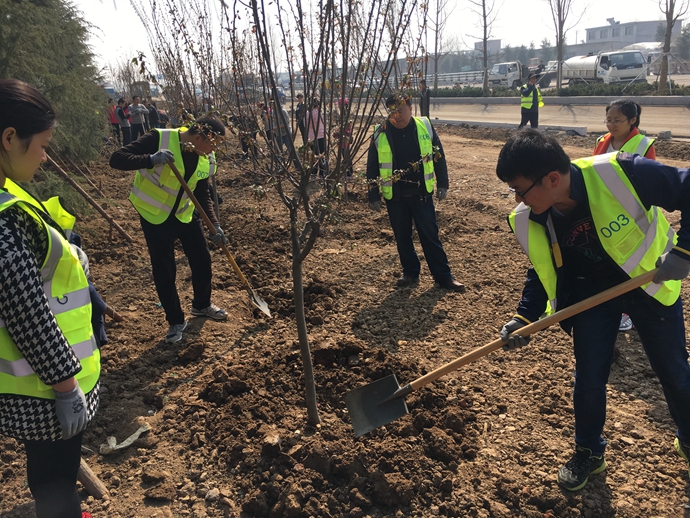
x=116, y=130
x=662, y=332
x=137, y=130
x=318, y=147
x=126, y=135
x=531, y=117
x=248, y=142
x=51, y=468
x=419, y=209
x=160, y=240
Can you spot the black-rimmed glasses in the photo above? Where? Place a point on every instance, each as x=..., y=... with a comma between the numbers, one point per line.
x=524, y=193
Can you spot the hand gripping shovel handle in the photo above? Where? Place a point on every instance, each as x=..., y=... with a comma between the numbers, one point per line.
x=256, y=300
x=539, y=325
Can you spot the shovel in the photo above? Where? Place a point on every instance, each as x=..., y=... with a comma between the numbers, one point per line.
x=383, y=401
x=256, y=300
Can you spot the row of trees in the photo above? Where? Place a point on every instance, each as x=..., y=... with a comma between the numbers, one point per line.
x=213, y=53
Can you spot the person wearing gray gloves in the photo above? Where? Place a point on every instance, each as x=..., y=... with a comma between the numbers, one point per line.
x=138, y=113
x=49, y=357
x=167, y=214
x=404, y=163
x=588, y=225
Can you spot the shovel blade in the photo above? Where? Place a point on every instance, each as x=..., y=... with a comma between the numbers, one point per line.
x=368, y=407
x=259, y=303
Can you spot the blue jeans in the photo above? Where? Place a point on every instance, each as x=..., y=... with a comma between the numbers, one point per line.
x=662, y=332
x=419, y=209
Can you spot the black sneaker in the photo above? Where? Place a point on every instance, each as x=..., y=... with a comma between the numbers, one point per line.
x=575, y=473
x=684, y=451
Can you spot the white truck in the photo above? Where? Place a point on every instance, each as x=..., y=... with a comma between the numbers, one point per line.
x=512, y=74
x=620, y=66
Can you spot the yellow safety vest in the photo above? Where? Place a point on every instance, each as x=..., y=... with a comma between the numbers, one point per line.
x=631, y=235
x=155, y=190
x=639, y=144
x=67, y=291
x=527, y=102
x=52, y=206
x=385, y=155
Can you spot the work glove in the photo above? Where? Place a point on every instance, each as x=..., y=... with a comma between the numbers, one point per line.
x=515, y=340
x=441, y=193
x=162, y=156
x=71, y=412
x=672, y=267
x=375, y=205
x=218, y=238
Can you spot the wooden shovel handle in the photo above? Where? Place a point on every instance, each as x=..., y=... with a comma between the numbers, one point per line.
x=532, y=328
x=208, y=223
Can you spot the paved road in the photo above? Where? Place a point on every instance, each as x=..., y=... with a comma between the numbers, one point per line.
x=654, y=119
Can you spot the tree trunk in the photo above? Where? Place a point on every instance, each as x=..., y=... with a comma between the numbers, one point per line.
x=436, y=38
x=300, y=319
x=485, y=59
x=663, y=72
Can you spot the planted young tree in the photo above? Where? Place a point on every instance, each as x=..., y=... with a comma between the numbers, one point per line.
x=442, y=40
x=560, y=12
x=486, y=10
x=340, y=54
x=673, y=10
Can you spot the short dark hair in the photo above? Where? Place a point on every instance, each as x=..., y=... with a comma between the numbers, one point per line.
x=121, y=100
x=300, y=96
x=532, y=155
x=135, y=97
x=531, y=75
x=628, y=108
x=395, y=99
x=25, y=109
x=423, y=82
x=207, y=126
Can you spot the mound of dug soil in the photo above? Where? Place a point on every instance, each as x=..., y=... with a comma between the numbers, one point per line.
x=229, y=434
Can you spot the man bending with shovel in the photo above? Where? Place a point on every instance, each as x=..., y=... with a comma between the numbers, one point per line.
x=167, y=213
x=586, y=226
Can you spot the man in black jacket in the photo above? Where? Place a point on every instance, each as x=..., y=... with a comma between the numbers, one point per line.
x=405, y=161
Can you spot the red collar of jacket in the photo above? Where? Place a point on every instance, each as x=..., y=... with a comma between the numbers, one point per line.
x=603, y=142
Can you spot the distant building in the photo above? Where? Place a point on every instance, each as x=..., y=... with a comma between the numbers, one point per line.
x=493, y=47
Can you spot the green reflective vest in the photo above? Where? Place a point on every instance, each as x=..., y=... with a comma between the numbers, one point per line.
x=631, y=235
x=67, y=291
x=385, y=155
x=527, y=102
x=52, y=206
x=639, y=144
x=155, y=190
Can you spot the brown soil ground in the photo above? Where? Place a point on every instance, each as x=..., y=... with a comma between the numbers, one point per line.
x=226, y=405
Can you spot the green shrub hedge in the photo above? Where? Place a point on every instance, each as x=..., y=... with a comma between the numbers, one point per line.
x=579, y=90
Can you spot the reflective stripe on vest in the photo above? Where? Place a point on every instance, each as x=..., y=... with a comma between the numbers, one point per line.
x=385, y=156
x=66, y=290
x=528, y=102
x=542, y=254
x=631, y=235
x=52, y=206
x=639, y=144
x=614, y=205
x=155, y=190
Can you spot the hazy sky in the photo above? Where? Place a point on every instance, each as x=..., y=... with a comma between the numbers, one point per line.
x=118, y=32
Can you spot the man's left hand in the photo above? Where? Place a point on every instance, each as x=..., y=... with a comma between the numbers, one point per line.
x=218, y=238
x=671, y=268
x=441, y=193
